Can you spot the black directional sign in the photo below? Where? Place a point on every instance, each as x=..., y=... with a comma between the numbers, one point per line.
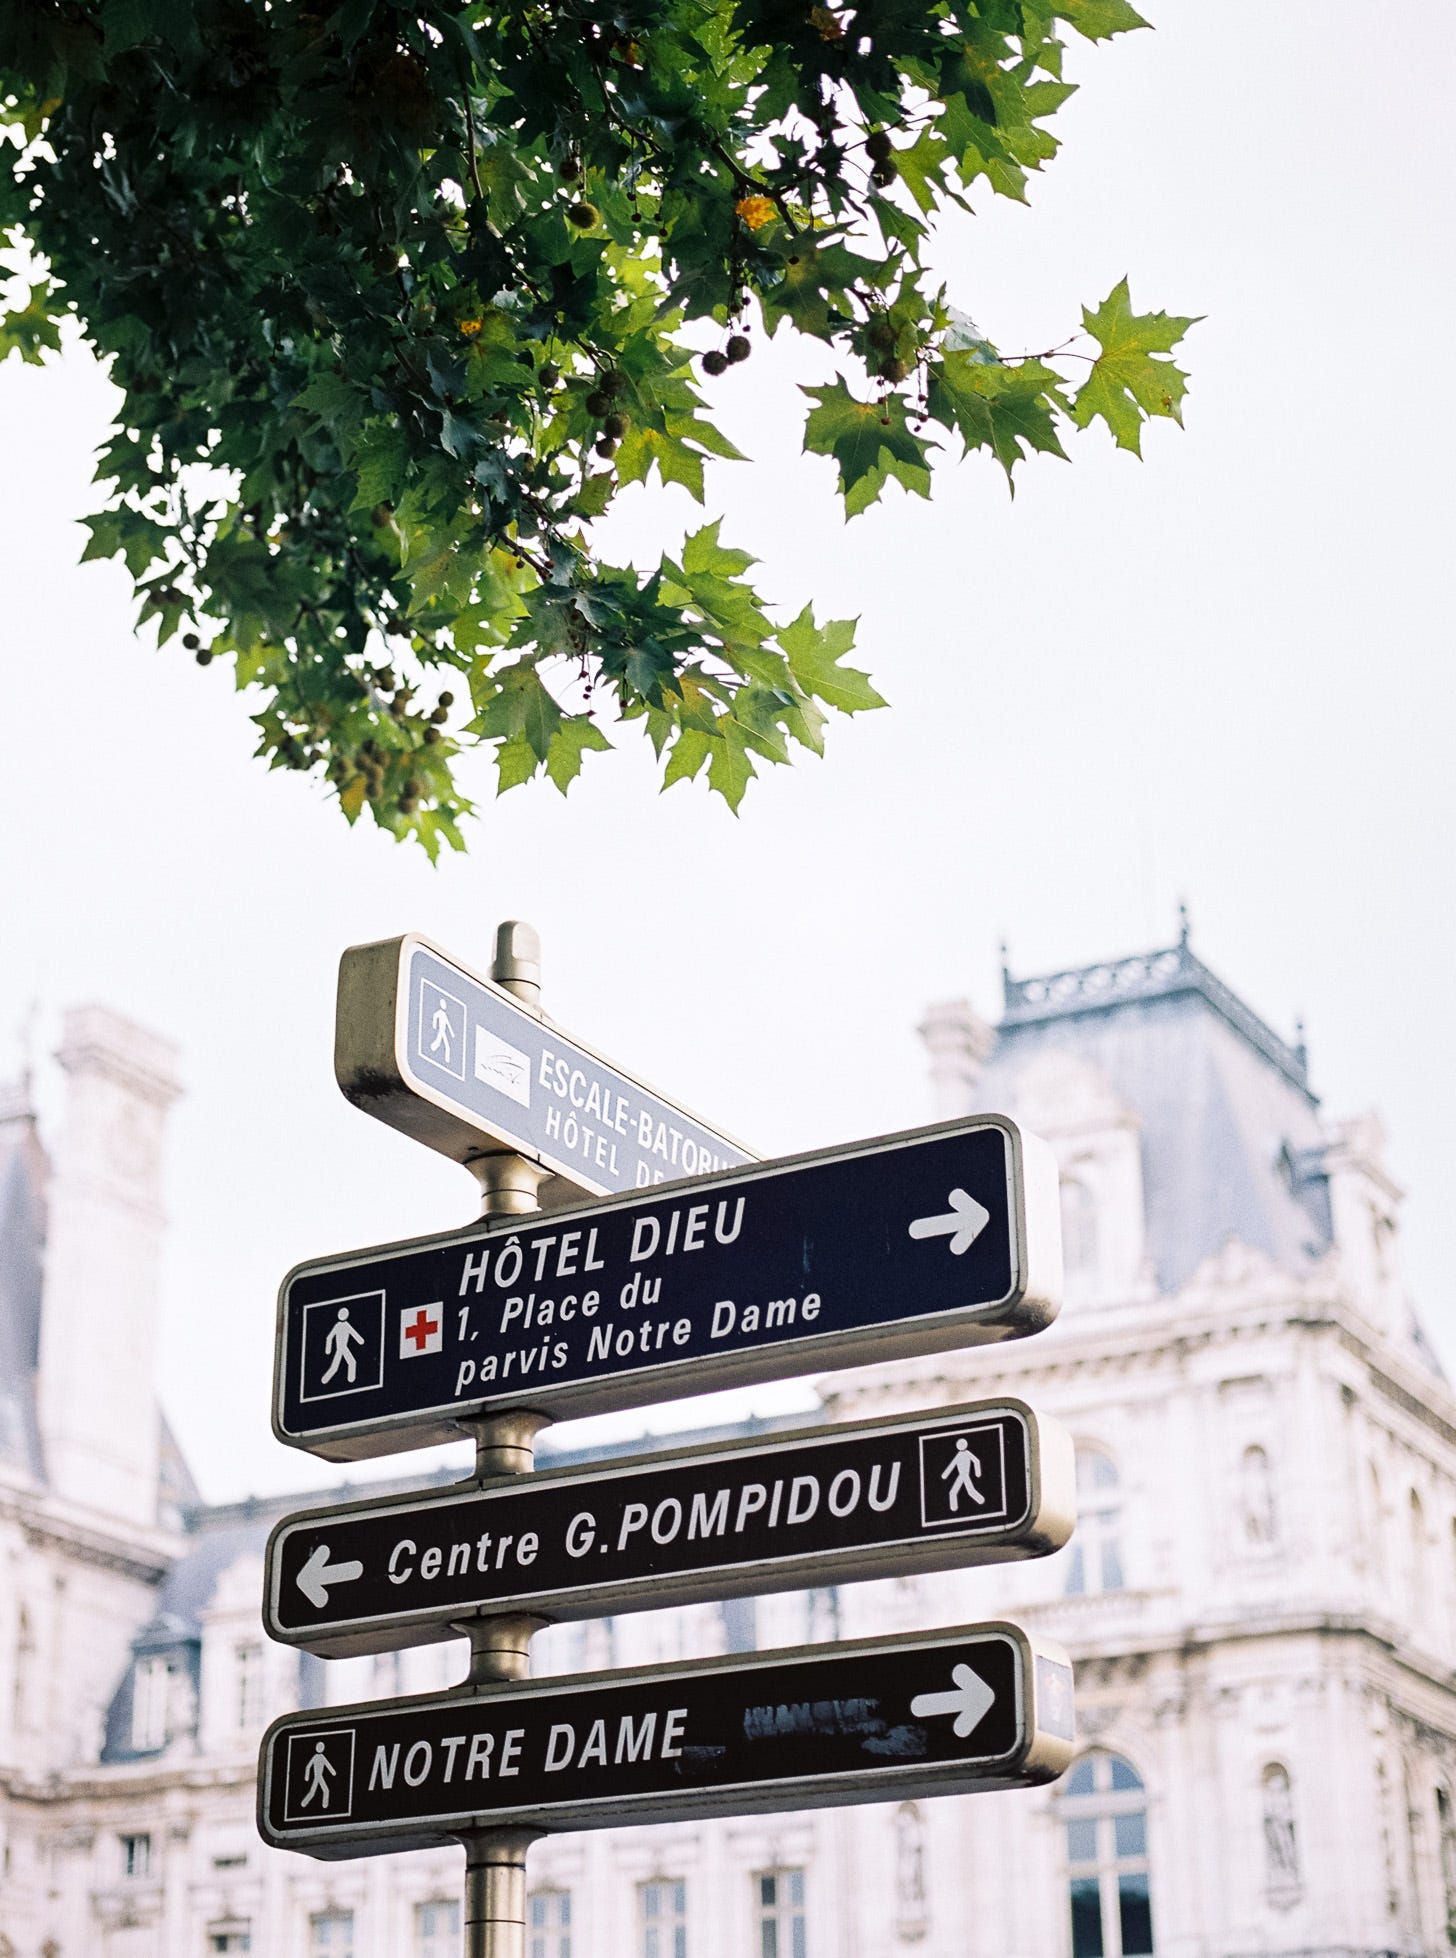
x=459, y=1063
x=888, y=1720
x=975, y=1484
x=912, y=1244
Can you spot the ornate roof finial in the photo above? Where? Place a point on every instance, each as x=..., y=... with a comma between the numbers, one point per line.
x=1184, y=925
x=1004, y=951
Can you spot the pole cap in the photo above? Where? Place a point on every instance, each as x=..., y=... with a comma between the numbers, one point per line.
x=517, y=961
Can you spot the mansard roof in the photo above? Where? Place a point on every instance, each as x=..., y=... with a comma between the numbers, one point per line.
x=22, y=1238
x=1231, y=1141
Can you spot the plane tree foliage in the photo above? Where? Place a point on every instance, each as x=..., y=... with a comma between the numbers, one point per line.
x=400, y=297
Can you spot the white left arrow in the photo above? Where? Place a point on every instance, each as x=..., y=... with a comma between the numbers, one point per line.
x=962, y=1223
x=318, y=1574
x=970, y=1700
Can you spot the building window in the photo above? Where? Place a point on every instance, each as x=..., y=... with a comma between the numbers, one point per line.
x=1079, y=1228
x=437, y=1928
x=151, y=1693
x=1281, y=1844
x=1104, y=1812
x=1257, y=1513
x=331, y=1934
x=662, y=1919
x=1095, y=1562
x=248, y=1679
x=548, y=1920
x=780, y=1896
x=136, y=1855
x=231, y=1937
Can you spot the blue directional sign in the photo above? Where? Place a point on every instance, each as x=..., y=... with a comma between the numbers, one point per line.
x=912, y=1244
x=942, y=1713
x=457, y=1062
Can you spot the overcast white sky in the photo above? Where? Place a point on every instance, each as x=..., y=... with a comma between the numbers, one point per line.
x=1224, y=674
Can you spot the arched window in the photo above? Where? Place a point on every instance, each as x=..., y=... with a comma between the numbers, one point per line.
x=1281, y=1844
x=1079, y=1228
x=1104, y=1812
x=1257, y=1513
x=1095, y=1562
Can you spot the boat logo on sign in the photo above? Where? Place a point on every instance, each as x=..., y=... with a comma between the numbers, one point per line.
x=502, y=1067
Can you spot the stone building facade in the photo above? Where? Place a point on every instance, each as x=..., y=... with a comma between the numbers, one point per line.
x=1260, y=1599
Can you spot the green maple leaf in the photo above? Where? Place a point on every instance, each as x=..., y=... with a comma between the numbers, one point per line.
x=644, y=449
x=576, y=734
x=521, y=709
x=331, y=399
x=689, y=752
x=703, y=554
x=730, y=769
x=814, y=653
x=1009, y=410
x=1098, y=20
x=1127, y=384
x=810, y=288
x=516, y=761
x=379, y=459
x=871, y=441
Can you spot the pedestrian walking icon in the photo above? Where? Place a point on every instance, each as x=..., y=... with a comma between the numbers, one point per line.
x=340, y=1340
x=320, y=1776
x=343, y=1346
x=963, y=1477
x=960, y=1472
x=439, y=1037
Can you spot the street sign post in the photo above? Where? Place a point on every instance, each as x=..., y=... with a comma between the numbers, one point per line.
x=989, y=1482
x=912, y=1244
x=469, y=1068
x=979, y=1708
x=905, y=1246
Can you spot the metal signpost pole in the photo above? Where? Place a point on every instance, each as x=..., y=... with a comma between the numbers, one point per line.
x=500, y=1648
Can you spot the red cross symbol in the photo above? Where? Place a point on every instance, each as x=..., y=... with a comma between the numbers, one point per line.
x=421, y=1329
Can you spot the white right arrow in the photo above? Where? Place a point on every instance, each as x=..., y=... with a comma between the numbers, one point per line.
x=318, y=1574
x=962, y=1223
x=970, y=1700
